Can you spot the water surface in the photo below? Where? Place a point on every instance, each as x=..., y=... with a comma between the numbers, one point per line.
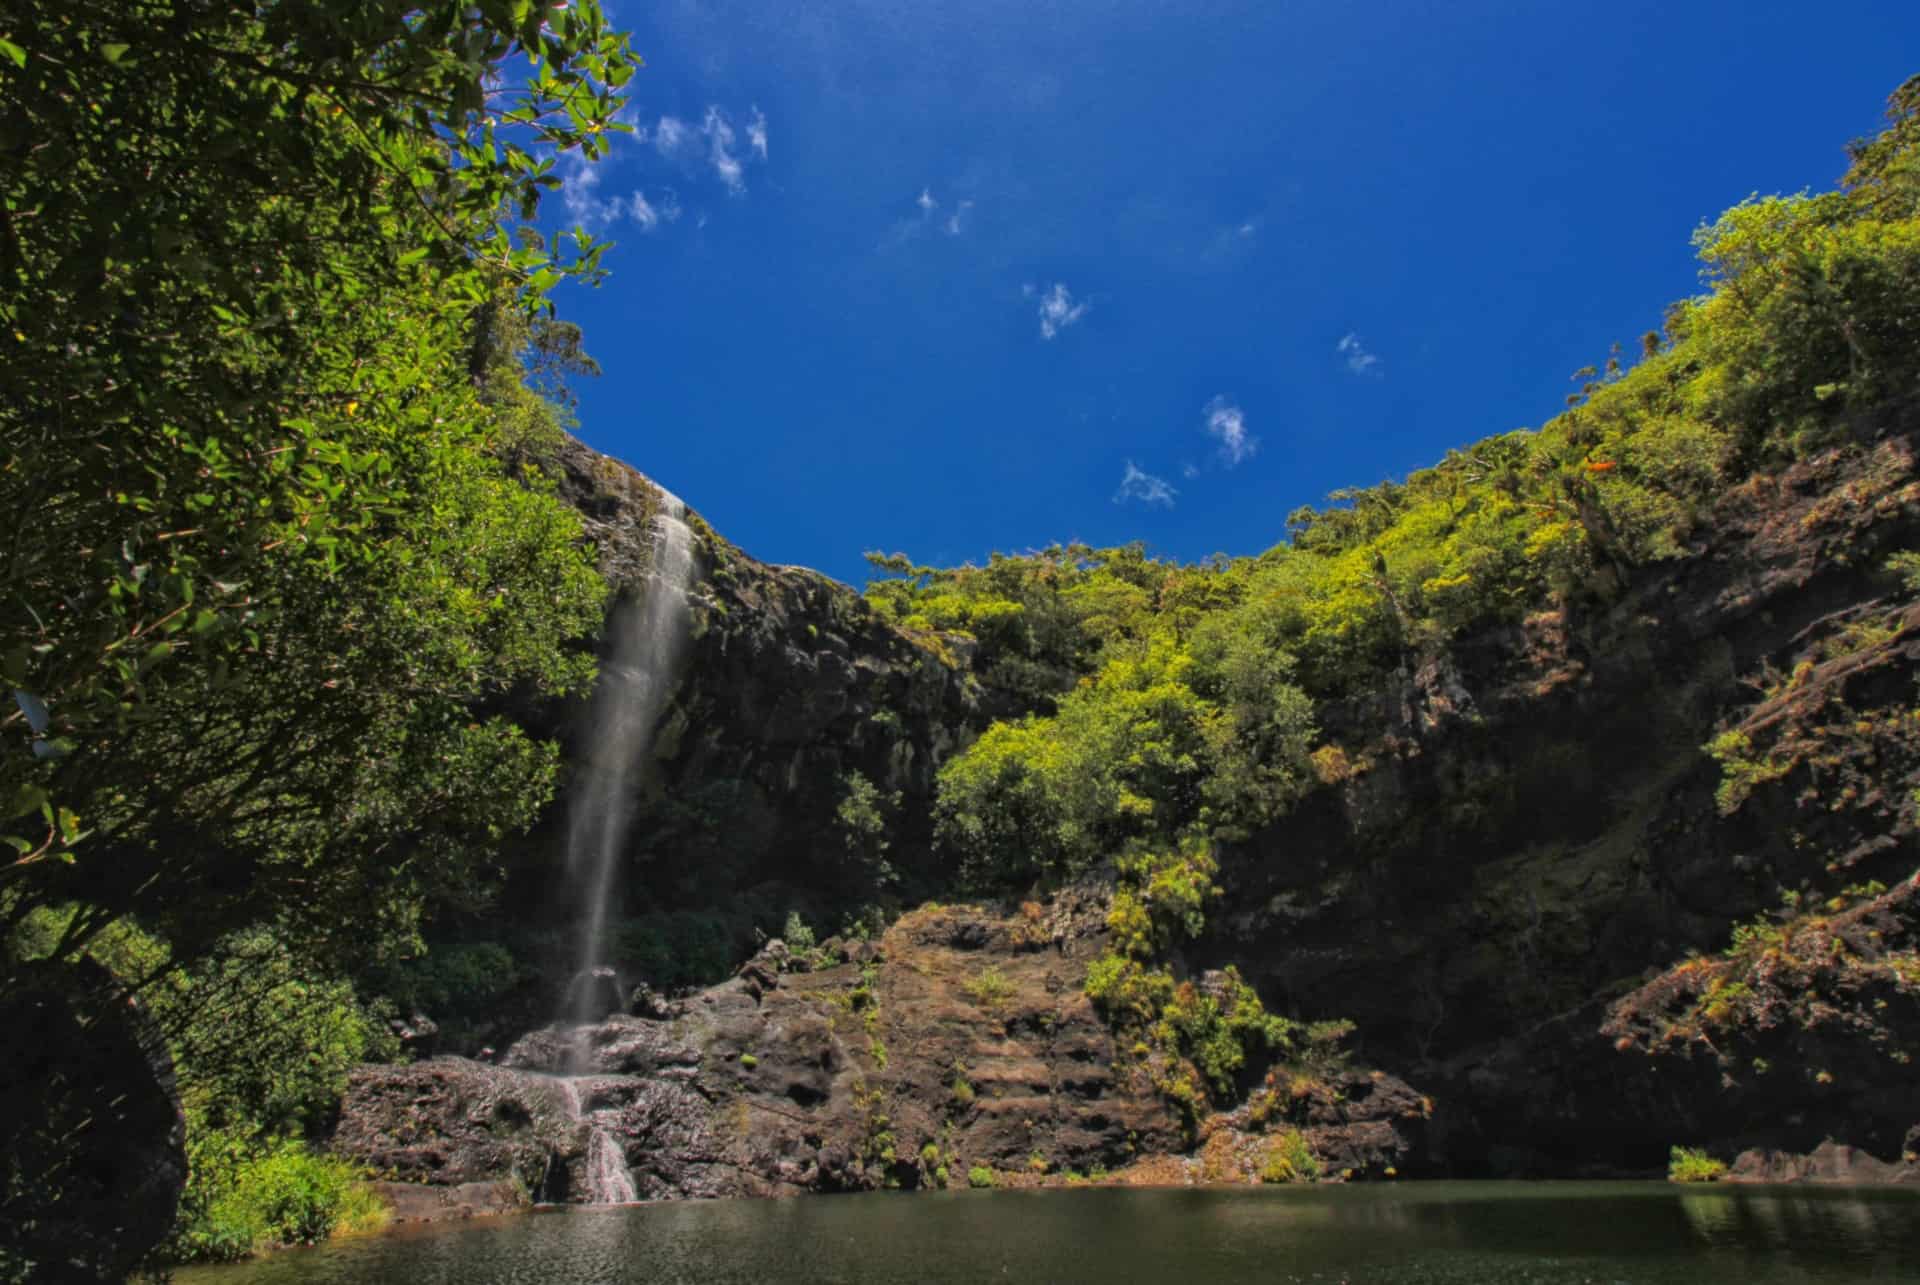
x=1454, y=1233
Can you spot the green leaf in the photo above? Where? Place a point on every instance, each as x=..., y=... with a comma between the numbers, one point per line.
x=114, y=53
x=14, y=52
x=26, y=798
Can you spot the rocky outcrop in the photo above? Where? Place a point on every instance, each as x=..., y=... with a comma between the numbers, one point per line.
x=1829, y=1162
x=960, y=1040
x=793, y=697
x=1535, y=828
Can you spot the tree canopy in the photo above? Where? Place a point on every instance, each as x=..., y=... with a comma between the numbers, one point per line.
x=262, y=556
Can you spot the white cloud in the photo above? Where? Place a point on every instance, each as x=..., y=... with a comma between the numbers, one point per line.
x=1227, y=423
x=1189, y=470
x=651, y=214
x=954, y=221
x=1359, y=360
x=720, y=136
x=1058, y=309
x=926, y=201
x=757, y=133
x=580, y=190
x=1144, y=487
x=671, y=134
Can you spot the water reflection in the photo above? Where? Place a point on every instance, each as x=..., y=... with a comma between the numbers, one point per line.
x=1418, y=1234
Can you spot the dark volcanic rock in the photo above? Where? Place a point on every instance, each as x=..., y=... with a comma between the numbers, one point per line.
x=1528, y=830
x=1829, y=1162
x=900, y=1070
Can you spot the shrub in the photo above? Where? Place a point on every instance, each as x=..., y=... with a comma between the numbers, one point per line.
x=242, y=1199
x=980, y=1176
x=797, y=934
x=1290, y=1159
x=990, y=989
x=1686, y=1164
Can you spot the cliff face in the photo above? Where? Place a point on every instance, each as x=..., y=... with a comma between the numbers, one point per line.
x=1534, y=828
x=1520, y=876
x=794, y=699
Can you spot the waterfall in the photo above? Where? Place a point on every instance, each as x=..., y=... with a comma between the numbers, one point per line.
x=609, y=1181
x=645, y=635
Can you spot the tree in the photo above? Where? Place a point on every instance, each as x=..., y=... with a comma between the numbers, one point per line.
x=242, y=250
x=267, y=578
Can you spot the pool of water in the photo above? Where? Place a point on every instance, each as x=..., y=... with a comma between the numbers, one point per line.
x=1484, y=1233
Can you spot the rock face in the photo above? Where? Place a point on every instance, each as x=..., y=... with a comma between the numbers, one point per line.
x=1536, y=830
x=1827, y=1163
x=960, y=1040
x=792, y=689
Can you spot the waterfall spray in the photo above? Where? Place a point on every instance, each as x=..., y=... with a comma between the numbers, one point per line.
x=645, y=636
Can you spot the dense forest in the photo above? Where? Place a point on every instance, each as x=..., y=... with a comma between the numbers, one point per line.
x=301, y=598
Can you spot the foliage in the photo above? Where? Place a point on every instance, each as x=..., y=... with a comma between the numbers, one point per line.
x=989, y=989
x=276, y=377
x=979, y=1176
x=859, y=832
x=463, y=978
x=1195, y=1042
x=243, y=1197
x=1687, y=1164
x=246, y=250
x=1289, y=1158
x=1138, y=751
x=797, y=934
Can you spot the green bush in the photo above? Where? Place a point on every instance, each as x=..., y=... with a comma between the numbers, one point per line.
x=1290, y=1159
x=990, y=989
x=980, y=1176
x=243, y=1198
x=1687, y=1164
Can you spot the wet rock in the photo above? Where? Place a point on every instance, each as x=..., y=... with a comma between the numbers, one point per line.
x=890, y=1071
x=417, y=1033
x=1830, y=1162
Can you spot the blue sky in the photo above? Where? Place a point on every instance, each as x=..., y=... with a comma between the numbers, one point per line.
x=952, y=278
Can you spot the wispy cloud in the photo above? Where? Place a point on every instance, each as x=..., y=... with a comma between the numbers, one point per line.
x=680, y=140
x=926, y=202
x=582, y=185
x=955, y=220
x=1058, y=308
x=671, y=134
x=720, y=137
x=1359, y=360
x=1227, y=424
x=757, y=133
x=1136, y=484
x=651, y=214
x=580, y=190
